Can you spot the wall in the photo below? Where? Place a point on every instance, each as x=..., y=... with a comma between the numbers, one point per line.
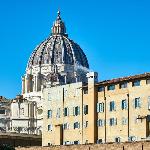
x=67, y=96
x=122, y=146
x=137, y=127
x=20, y=139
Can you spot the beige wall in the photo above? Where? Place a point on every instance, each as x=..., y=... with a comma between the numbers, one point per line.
x=72, y=95
x=61, y=97
x=136, y=128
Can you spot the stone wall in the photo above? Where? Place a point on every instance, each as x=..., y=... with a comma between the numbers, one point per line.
x=20, y=139
x=113, y=146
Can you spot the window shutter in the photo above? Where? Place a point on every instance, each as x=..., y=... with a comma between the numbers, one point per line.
x=133, y=103
x=78, y=110
x=122, y=104
x=97, y=107
x=126, y=104
x=100, y=107
x=67, y=125
x=110, y=106
x=87, y=109
x=78, y=125
x=102, y=122
x=116, y=121
x=148, y=102
x=67, y=111
x=84, y=110
x=74, y=111
x=110, y=121
x=64, y=112
x=97, y=123
x=114, y=105
x=140, y=102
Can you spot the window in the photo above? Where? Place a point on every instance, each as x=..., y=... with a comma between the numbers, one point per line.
x=49, y=97
x=100, y=122
x=85, y=124
x=49, y=114
x=123, y=85
x=76, y=142
x=85, y=109
x=49, y=144
x=137, y=103
x=21, y=111
x=99, y=141
x=100, y=89
x=58, y=113
x=124, y=121
x=136, y=83
x=67, y=143
x=117, y=139
x=86, y=141
x=85, y=91
x=148, y=81
x=2, y=111
x=76, y=125
x=132, y=138
x=66, y=126
x=66, y=111
x=113, y=121
x=50, y=127
x=100, y=107
x=124, y=104
x=76, y=111
x=112, y=106
x=111, y=87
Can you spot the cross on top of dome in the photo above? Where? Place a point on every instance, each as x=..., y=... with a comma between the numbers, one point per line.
x=58, y=15
x=59, y=26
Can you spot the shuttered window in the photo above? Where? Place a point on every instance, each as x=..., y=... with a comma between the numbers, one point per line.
x=100, y=107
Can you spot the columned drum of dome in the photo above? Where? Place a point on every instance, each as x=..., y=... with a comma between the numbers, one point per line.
x=57, y=60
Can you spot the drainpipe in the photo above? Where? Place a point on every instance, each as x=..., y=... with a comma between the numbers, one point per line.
x=128, y=116
x=105, y=114
x=82, y=115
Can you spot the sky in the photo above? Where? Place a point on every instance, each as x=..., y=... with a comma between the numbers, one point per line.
x=114, y=34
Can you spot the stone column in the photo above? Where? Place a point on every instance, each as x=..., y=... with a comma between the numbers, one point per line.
x=23, y=84
x=26, y=84
x=28, y=87
x=38, y=82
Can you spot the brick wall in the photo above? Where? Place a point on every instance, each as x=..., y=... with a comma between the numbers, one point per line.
x=114, y=146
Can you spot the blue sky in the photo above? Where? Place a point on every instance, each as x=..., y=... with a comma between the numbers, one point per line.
x=114, y=34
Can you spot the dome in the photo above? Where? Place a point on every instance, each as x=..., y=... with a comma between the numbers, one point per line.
x=58, y=49
x=58, y=60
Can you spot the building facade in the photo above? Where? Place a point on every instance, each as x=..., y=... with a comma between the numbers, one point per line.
x=58, y=60
x=4, y=114
x=116, y=110
x=24, y=118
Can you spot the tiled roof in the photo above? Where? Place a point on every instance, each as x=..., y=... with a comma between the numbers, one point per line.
x=123, y=79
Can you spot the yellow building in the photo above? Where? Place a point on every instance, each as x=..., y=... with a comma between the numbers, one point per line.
x=97, y=112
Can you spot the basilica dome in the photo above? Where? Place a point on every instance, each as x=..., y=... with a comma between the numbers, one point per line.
x=58, y=60
x=58, y=49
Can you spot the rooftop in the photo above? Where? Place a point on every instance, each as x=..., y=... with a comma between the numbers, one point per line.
x=124, y=79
